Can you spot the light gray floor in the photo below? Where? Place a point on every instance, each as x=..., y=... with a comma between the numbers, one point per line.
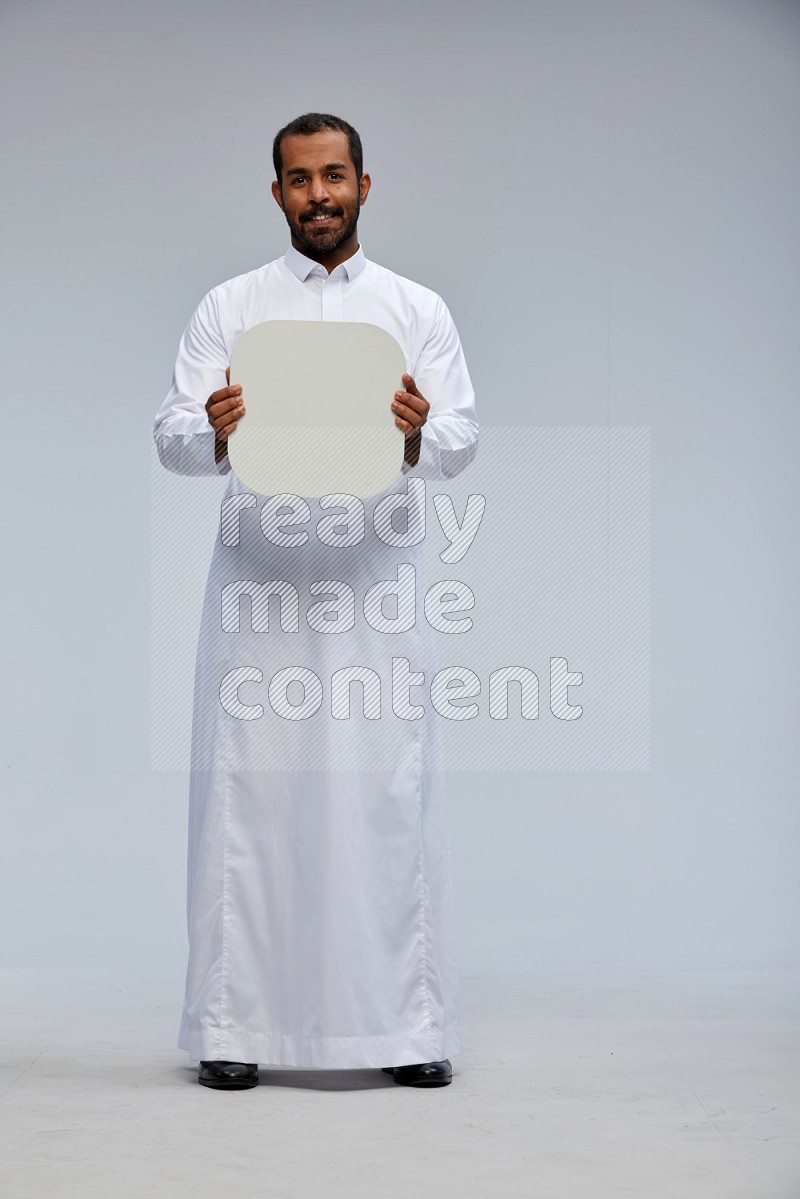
x=675, y=1085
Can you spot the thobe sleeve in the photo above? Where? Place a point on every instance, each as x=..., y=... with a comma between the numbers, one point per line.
x=183, y=435
x=449, y=439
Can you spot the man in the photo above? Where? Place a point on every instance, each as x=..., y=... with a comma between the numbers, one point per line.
x=319, y=892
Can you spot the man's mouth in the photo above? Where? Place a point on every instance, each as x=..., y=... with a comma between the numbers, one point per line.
x=324, y=218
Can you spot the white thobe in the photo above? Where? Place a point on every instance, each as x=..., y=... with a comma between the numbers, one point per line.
x=319, y=894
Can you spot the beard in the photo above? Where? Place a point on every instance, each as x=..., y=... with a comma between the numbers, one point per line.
x=328, y=241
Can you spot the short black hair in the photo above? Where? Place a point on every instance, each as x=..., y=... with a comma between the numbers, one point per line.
x=315, y=122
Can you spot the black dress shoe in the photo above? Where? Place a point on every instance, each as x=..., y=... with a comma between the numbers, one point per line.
x=425, y=1074
x=229, y=1076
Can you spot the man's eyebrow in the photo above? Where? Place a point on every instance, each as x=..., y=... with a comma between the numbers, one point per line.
x=329, y=166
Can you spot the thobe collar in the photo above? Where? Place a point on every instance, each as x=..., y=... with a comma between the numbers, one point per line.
x=303, y=267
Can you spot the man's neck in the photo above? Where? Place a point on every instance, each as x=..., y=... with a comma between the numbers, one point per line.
x=330, y=261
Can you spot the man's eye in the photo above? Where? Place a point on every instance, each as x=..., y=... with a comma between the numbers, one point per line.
x=335, y=175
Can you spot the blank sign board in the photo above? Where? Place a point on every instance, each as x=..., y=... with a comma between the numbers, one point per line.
x=318, y=417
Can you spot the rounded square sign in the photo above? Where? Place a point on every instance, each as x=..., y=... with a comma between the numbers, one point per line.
x=318, y=417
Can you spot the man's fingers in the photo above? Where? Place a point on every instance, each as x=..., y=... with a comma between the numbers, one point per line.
x=222, y=419
x=229, y=396
x=222, y=406
x=406, y=418
x=224, y=393
x=404, y=412
x=226, y=430
x=409, y=407
x=411, y=411
x=225, y=403
x=215, y=402
x=404, y=399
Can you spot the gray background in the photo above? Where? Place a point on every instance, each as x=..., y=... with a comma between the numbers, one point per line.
x=605, y=194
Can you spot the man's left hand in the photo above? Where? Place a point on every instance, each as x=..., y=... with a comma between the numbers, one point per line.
x=410, y=408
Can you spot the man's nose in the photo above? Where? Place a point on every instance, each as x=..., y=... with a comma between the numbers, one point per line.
x=318, y=191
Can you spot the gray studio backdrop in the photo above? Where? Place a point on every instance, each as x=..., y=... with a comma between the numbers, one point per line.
x=605, y=194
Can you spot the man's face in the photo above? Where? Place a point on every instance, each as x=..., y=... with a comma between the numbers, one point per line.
x=319, y=179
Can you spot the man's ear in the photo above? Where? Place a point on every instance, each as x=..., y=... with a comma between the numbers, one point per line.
x=363, y=187
x=276, y=191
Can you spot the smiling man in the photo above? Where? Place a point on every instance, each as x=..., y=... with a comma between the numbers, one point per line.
x=323, y=198
x=319, y=904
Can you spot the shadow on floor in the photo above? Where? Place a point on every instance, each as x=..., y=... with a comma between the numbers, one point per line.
x=367, y=1079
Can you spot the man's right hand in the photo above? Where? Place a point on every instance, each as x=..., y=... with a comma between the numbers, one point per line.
x=225, y=407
